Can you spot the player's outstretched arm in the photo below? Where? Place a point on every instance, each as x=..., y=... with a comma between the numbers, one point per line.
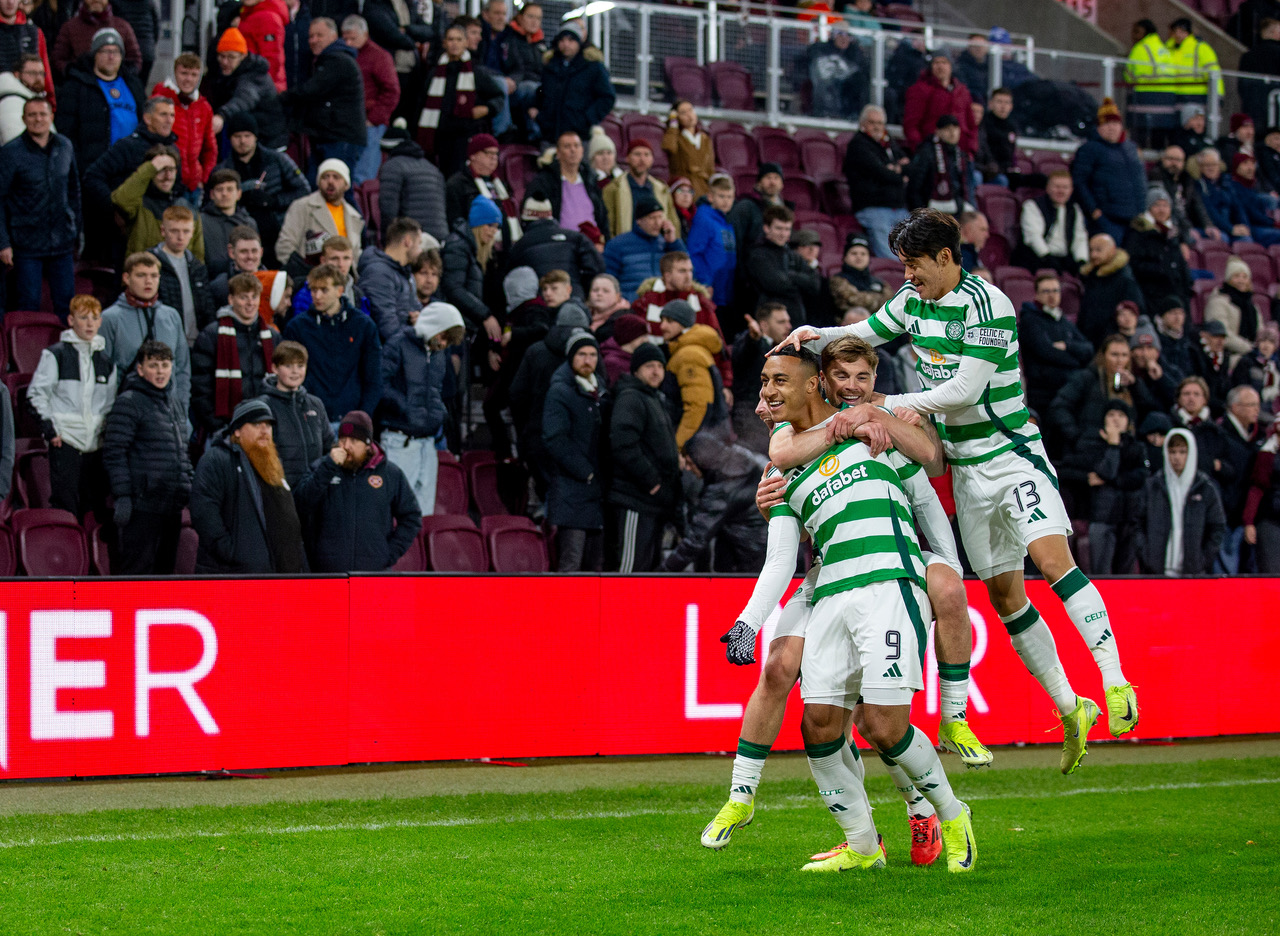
x=908, y=437
x=819, y=338
x=771, y=586
x=964, y=389
x=789, y=449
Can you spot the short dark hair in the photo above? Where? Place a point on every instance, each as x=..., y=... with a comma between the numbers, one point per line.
x=26, y=58
x=1043, y=277
x=289, y=352
x=465, y=21
x=401, y=228
x=926, y=232
x=223, y=176
x=38, y=99
x=774, y=213
x=325, y=273
x=140, y=258
x=428, y=259
x=670, y=259
x=803, y=355
x=155, y=101
x=153, y=351
x=243, y=283
x=766, y=309
x=1005, y=91
x=242, y=232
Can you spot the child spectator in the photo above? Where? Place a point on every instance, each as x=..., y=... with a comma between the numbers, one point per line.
x=303, y=433
x=184, y=280
x=712, y=244
x=1184, y=523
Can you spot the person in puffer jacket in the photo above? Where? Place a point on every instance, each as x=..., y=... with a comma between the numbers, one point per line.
x=636, y=256
x=303, y=432
x=262, y=24
x=412, y=412
x=73, y=389
x=144, y=452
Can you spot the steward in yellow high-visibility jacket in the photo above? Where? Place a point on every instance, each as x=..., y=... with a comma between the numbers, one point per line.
x=1193, y=61
x=1152, y=105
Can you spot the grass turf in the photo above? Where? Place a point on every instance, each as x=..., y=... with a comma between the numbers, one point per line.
x=1151, y=848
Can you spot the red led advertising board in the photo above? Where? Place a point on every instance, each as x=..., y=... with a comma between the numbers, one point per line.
x=105, y=678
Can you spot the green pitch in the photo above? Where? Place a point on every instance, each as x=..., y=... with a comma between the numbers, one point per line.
x=1122, y=848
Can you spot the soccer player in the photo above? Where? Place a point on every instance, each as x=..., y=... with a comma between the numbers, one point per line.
x=866, y=636
x=849, y=373
x=964, y=335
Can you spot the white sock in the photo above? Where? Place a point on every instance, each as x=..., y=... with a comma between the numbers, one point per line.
x=747, y=767
x=917, y=805
x=853, y=761
x=1088, y=613
x=845, y=797
x=917, y=757
x=953, y=681
x=1033, y=640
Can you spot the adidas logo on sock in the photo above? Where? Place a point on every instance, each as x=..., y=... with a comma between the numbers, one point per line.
x=1106, y=635
x=1037, y=514
x=893, y=671
x=744, y=789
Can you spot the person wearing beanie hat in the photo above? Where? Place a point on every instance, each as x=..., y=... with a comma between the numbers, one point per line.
x=646, y=464
x=571, y=437
x=624, y=195
x=636, y=255
x=679, y=312
x=483, y=211
x=241, y=506
x=410, y=186
x=362, y=513
x=628, y=333
x=329, y=105
x=1191, y=134
x=1109, y=175
x=314, y=218
x=1232, y=305
x=232, y=40
x=692, y=350
x=576, y=93
x=602, y=155
x=536, y=209
x=1241, y=138
x=855, y=268
x=106, y=37
x=270, y=182
x=940, y=174
x=1154, y=244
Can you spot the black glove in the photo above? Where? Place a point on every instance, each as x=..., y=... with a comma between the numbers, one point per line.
x=123, y=511
x=741, y=640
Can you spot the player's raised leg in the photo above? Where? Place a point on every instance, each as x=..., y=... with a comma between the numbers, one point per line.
x=953, y=643
x=1088, y=612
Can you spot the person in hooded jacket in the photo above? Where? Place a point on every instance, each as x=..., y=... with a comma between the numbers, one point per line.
x=409, y=185
x=545, y=246
x=362, y=515
x=1110, y=181
x=242, y=507
x=242, y=84
x=576, y=92
x=573, y=418
x=645, y=492
x=468, y=256
x=693, y=385
x=412, y=413
x=302, y=432
x=934, y=95
x=1184, y=523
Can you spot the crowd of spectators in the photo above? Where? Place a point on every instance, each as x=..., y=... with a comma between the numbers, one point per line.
x=287, y=356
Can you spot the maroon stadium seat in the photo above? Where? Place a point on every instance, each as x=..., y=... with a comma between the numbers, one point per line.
x=1002, y=215
x=26, y=422
x=32, y=476
x=846, y=224
x=1070, y=299
x=414, y=558
x=744, y=180
x=513, y=551
x=8, y=556
x=453, y=544
x=1006, y=273
x=444, y=455
x=689, y=82
x=98, y=552
x=26, y=334
x=820, y=158
x=901, y=11
x=613, y=130
x=801, y=191
x=1244, y=248
x=1020, y=291
x=732, y=83
x=835, y=197
x=496, y=522
x=1260, y=267
x=1262, y=302
x=986, y=189
x=736, y=151
x=482, y=478
x=879, y=265
x=671, y=61
x=996, y=253
x=451, y=489
x=1215, y=261
x=517, y=165
x=776, y=145
x=103, y=283
x=50, y=543
x=474, y=457
x=370, y=190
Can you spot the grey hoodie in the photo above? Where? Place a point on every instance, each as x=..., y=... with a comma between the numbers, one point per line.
x=124, y=329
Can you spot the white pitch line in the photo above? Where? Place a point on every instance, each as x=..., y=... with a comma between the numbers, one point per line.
x=786, y=803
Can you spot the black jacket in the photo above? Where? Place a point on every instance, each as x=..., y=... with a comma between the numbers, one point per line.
x=1001, y=139
x=872, y=184
x=922, y=174
x=546, y=246
x=1204, y=525
x=412, y=378
x=1157, y=263
x=778, y=274
x=1240, y=452
x=488, y=94
x=269, y=183
x=217, y=229
x=106, y=173
x=643, y=443
x=1078, y=409
x=85, y=120
x=1105, y=287
x=249, y=89
x=1124, y=467
x=227, y=514
x=385, y=30
x=1184, y=197
x=546, y=184
x=204, y=364
x=329, y=106
x=1045, y=367
x=521, y=59
x=171, y=289
x=462, y=282
x=1262, y=58
x=574, y=95
x=144, y=17
x=412, y=187
x=361, y=522
x=571, y=425
x=144, y=448
x=302, y=431
x=40, y=194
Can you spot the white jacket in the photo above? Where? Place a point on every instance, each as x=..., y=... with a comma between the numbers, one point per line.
x=13, y=94
x=73, y=389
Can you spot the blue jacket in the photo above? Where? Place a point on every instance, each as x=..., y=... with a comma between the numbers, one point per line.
x=571, y=421
x=1251, y=203
x=634, y=257
x=1221, y=204
x=345, y=358
x=40, y=196
x=713, y=248
x=1110, y=176
x=411, y=380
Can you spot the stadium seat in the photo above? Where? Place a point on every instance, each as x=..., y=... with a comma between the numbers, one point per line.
x=996, y=253
x=1260, y=267
x=1244, y=248
x=1003, y=215
x=26, y=422
x=613, y=128
x=671, y=61
x=1262, y=302
x=744, y=180
x=8, y=556
x=414, y=558
x=892, y=279
x=103, y=283
x=444, y=455
x=987, y=189
x=776, y=145
x=32, y=474
x=98, y=552
x=733, y=87
x=880, y=265
x=846, y=224
x=1006, y=273
x=820, y=158
x=482, y=479
x=370, y=189
x=736, y=151
x=835, y=197
x=50, y=543
x=1070, y=298
x=518, y=164
x=1020, y=291
x=496, y=522
x=453, y=544
x=26, y=334
x=901, y=11
x=689, y=82
x=1215, y=261
x=451, y=489
x=514, y=551
x=801, y=191
x=474, y=456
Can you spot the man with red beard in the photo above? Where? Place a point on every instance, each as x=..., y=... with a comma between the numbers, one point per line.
x=241, y=505
x=360, y=509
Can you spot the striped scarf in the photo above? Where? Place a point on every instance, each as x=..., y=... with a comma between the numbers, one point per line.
x=227, y=383
x=493, y=188
x=463, y=103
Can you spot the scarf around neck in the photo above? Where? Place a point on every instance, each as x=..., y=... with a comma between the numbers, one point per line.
x=228, y=385
x=463, y=103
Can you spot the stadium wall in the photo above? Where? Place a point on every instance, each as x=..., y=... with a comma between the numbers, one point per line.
x=102, y=678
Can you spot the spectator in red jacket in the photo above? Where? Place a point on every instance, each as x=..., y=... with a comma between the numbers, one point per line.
x=76, y=36
x=19, y=36
x=381, y=93
x=935, y=94
x=192, y=123
x=262, y=22
x=675, y=281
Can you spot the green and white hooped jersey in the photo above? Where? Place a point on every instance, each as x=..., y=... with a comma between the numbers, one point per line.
x=973, y=320
x=858, y=516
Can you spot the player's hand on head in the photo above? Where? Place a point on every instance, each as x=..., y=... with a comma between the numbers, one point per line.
x=798, y=337
x=740, y=643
